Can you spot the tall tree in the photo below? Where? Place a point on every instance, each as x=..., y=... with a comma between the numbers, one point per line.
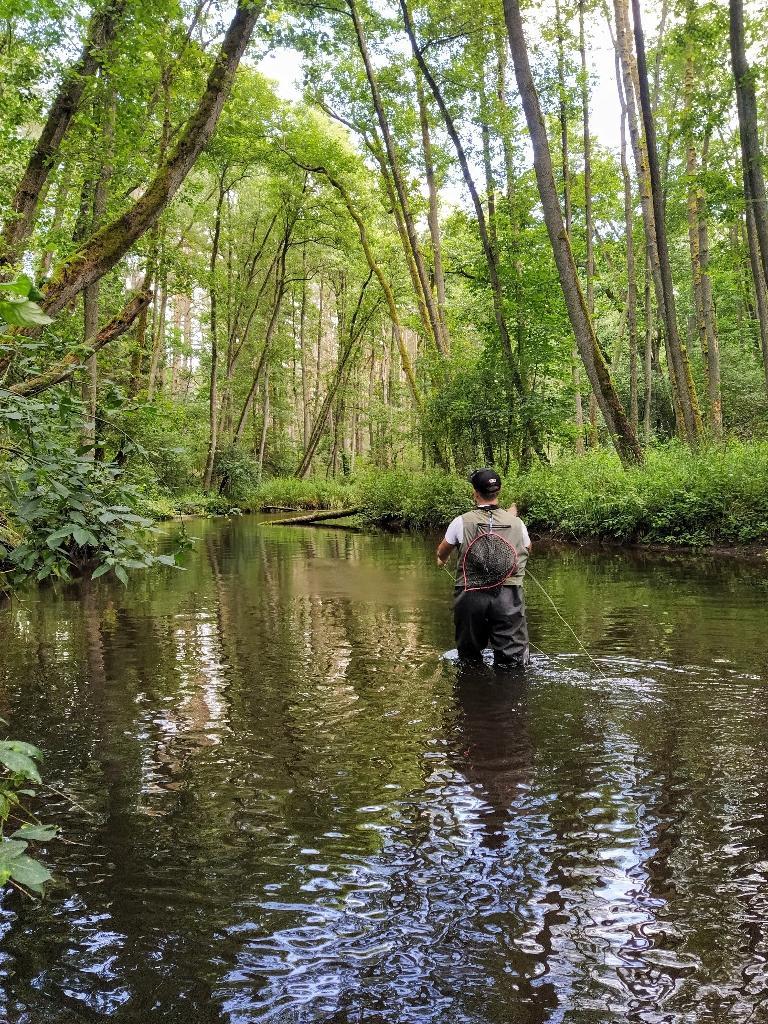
x=213, y=393
x=565, y=172
x=482, y=223
x=102, y=28
x=102, y=250
x=677, y=349
x=751, y=156
x=397, y=177
x=599, y=376
x=698, y=231
x=589, y=223
x=631, y=269
x=433, y=218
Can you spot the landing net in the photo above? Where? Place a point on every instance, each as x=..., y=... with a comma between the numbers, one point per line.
x=488, y=561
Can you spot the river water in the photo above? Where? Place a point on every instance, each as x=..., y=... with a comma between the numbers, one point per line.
x=288, y=808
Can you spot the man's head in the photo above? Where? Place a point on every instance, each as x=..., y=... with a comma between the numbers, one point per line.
x=487, y=484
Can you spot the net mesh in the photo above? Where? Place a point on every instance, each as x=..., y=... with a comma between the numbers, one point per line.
x=488, y=561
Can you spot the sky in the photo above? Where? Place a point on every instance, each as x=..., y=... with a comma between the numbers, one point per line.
x=283, y=66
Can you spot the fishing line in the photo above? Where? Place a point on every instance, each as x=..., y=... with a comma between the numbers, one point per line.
x=565, y=622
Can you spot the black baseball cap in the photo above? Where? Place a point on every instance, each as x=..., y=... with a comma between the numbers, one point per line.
x=485, y=480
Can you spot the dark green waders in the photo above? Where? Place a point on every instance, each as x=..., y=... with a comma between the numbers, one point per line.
x=492, y=618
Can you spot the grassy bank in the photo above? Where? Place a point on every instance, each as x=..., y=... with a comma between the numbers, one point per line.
x=717, y=495
x=278, y=493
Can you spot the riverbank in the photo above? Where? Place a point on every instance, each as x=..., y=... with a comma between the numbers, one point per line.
x=714, y=497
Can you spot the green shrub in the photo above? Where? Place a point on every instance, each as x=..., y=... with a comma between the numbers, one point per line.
x=166, y=440
x=412, y=499
x=158, y=506
x=19, y=771
x=198, y=503
x=236, y=471
x=716, y=494
x=75, y=515
x=589, y=496
x=310, y=494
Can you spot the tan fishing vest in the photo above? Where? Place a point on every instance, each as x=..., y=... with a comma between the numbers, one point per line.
x=508, y=527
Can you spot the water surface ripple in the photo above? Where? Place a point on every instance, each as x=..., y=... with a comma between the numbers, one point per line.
x=289, y=809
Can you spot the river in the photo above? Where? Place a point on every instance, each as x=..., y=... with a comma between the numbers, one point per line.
x=288, y=808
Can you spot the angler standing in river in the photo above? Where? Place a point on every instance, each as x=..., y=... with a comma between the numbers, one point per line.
x=493, y=548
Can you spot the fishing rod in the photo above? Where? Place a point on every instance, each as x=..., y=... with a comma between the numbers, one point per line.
x=565, y=622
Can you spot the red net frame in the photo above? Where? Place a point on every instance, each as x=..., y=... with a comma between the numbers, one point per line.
x=488, y=535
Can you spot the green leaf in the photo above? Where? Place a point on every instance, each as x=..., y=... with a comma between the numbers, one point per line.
x=19, y=764
x=121, y=574
x=21, y=285
x=30, y=873
x=53, y=540
x=83, y=537
x=40, y=833
x=23, y=748
x=10, y=850
x=24, y=314
x=100, y=570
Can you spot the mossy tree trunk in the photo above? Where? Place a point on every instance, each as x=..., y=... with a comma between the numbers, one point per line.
x=102, y=29
x=106, y=247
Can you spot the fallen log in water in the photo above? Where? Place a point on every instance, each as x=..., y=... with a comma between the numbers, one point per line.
x=316, y=517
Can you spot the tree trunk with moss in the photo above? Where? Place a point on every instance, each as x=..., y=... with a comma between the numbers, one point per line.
x=23, y=209
x=106, y=247
x=68, y=364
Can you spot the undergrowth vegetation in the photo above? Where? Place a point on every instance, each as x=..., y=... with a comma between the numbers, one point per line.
x=717, y=494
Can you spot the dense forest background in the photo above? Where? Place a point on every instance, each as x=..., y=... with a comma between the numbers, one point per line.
x=427, y=262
